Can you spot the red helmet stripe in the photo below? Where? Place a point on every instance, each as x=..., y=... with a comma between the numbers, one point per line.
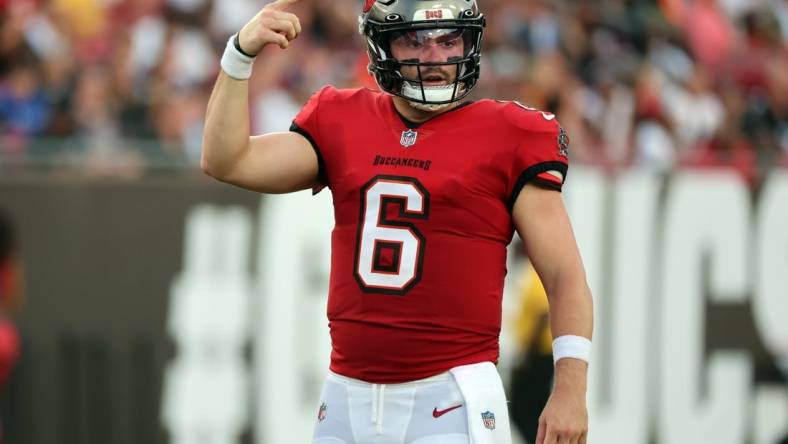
x=368, y=5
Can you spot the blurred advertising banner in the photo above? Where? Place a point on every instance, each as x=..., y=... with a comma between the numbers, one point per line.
x=104, y=261
x=182, y=311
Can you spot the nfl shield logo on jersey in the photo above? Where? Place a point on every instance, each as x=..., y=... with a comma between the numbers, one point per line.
x=321, y=414
x=489, y=420
x=408, y=138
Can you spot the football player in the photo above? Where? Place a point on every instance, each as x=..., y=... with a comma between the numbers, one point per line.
x=428, y=189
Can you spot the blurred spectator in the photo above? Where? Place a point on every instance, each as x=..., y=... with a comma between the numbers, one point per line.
x=532, y=376
x=24, y=108
x=10, y=301
x=120, y=85
x=709, y=33
x=654, y=143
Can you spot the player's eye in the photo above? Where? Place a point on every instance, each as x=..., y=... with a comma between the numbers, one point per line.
x=452, y=40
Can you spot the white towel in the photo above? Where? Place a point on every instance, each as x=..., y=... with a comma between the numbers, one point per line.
x=485, y=402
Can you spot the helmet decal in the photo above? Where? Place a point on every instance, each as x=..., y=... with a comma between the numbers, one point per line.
x=433, y=14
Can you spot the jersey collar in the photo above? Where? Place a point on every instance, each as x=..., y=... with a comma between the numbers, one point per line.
x=414, y=125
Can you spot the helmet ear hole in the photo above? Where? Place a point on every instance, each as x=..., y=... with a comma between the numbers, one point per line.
x=393, y=18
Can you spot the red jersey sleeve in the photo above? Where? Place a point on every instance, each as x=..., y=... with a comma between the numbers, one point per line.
x=541, y=152
x=307, y=123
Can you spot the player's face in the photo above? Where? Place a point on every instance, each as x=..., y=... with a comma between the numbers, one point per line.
x=429, y=45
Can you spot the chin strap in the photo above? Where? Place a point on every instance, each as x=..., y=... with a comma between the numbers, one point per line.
x=429, y=107
x=430, y=93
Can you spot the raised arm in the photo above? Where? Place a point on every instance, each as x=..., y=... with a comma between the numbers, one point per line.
x=271, y=163
x=541, y=220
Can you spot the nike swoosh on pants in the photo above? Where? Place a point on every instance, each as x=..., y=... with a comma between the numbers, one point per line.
x=438, y=413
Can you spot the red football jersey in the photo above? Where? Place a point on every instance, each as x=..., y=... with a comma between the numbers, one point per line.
x=422, y=220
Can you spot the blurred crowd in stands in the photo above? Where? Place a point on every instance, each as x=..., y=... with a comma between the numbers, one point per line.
x=120, y=86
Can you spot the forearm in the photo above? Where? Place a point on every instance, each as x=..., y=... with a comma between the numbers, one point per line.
x=571, y=313
x=226, y=133
x=571, y=306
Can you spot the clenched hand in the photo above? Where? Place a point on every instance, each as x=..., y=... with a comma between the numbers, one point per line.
x=271, y=25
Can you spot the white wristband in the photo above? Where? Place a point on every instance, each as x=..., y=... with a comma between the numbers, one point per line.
x=235, y=64
x=570, y=346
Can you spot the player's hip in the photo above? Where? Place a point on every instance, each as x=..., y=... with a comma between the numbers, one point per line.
x=443, y=408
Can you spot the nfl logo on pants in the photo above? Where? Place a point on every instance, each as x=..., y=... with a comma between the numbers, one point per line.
x=489, y=420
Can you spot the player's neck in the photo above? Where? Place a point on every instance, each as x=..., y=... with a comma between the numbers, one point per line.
x=418, y=115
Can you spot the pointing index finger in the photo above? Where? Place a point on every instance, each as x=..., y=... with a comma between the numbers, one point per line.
x=280, y=5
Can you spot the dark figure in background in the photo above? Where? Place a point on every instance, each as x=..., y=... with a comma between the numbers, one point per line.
x=10, y=299
x=532, y=376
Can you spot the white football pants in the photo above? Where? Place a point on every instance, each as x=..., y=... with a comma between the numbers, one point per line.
x=427, y=411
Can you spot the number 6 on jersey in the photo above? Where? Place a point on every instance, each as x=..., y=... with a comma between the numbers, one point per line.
x=390, y=253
